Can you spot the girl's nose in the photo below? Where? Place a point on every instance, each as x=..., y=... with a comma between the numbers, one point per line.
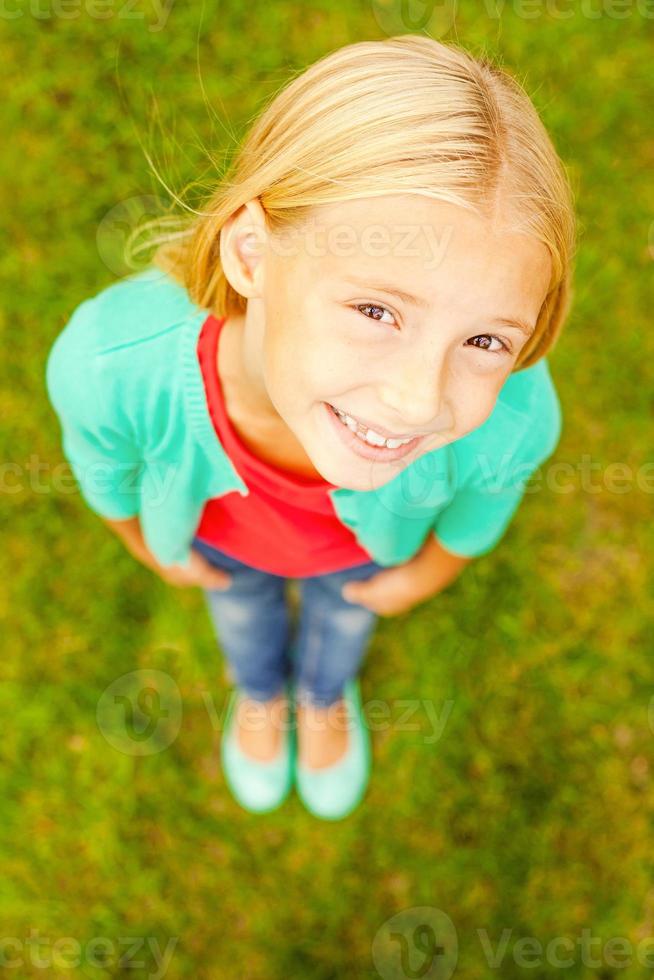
x=415, y=394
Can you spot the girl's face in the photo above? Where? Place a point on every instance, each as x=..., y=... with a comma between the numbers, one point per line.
x=331, y=328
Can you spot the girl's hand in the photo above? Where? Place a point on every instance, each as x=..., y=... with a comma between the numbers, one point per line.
x=391, y=591
x=200, y=572
x=396, y=590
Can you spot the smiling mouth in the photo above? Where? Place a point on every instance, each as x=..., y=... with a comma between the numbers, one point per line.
x=367, y=435
x=371, y=451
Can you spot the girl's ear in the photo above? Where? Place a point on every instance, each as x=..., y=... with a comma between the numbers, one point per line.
x=242, y=245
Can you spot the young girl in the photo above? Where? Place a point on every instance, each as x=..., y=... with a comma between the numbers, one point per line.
x=334, y=374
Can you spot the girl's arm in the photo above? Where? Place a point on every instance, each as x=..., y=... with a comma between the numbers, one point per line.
x=437, y=566
x=129, y=532
x=200, y=571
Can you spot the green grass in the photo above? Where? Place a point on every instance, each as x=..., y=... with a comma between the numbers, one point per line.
x=533, y=812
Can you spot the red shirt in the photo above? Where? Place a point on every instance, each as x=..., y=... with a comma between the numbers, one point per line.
x=286, y=524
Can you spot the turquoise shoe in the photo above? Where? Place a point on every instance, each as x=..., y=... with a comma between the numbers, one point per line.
x=258, y=786
x=333, y=792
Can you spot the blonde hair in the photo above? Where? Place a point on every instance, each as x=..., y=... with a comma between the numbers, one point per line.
x=403, y=115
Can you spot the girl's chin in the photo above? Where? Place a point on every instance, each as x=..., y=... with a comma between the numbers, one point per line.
x=358, y=474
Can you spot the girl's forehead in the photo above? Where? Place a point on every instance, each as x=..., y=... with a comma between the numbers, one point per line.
x=394, y=209
x=404, y=225
x=418, y=246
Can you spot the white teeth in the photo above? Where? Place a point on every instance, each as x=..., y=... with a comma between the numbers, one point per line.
x=374, y=438
x=369, y=435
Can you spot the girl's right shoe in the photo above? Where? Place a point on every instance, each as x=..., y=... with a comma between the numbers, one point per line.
x=257, y=786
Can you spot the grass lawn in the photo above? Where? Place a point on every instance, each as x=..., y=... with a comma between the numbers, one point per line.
x=531, y=815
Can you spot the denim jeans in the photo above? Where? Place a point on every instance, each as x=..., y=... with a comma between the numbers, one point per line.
x=263, y=647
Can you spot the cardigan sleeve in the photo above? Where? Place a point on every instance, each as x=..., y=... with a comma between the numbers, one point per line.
x=96, y=439
x=481, y=510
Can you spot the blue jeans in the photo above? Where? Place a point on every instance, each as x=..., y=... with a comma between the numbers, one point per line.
x=252, y=625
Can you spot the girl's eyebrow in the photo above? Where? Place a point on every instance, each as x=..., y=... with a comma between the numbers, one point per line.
x=408, y=298
x=516, y=324
x=422, y=304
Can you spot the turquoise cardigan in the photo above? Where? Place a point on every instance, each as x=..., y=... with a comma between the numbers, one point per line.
x=125, y=382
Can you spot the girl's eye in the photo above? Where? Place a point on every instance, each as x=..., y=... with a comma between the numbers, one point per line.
x=486, y=338
x=378, y=310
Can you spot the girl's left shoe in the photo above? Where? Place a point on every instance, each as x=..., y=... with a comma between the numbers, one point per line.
x=333, y=792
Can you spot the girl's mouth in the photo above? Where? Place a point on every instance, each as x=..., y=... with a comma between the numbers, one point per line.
x=367, y=445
